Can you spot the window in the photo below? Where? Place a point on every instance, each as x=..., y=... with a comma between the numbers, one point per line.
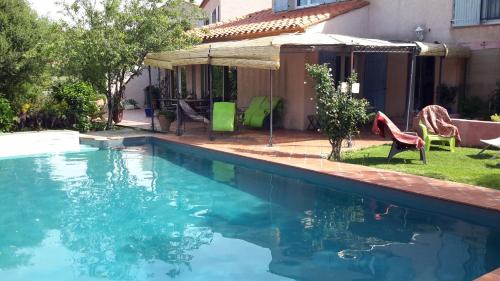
x=280, y=5
x=475, y=12
x=214, y=16
x=490, y=10
x=305, y=3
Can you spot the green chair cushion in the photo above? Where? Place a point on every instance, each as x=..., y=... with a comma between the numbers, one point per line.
x=254, y=108
x=257, y=115
x=223, y=116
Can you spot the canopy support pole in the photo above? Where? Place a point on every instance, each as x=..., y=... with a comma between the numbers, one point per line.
x=178, y=132
x=411, y=88
x=211, y=106
x=159, y=76
x=349, y=141
x=223, y=83
x=150, y=94
x=270, y=144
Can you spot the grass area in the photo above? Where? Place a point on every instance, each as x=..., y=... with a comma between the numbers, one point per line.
x=464, y=165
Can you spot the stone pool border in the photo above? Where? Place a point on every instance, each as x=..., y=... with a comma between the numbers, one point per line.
x=474, y=196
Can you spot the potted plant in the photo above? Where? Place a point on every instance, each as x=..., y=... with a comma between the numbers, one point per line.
x=151, y=100
x=118, y=110
x=166, y=117
x=131, y=104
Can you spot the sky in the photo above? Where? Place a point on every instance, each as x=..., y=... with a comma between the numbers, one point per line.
x=50, y=9
x=47, y=8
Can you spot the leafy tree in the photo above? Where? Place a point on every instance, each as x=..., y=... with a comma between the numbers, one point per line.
x=6, y=116
x=106, y=42
x=339, y=113
x=80, y=107
x=26, y=47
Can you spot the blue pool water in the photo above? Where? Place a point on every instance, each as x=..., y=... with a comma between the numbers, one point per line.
x=152, y=213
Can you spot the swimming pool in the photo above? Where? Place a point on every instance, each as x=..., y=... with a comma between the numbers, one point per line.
x=159, y=211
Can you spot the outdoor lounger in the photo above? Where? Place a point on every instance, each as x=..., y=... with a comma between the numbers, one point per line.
x=492, y=142
x=256, y=113
x=401, y=141
x=224, y=117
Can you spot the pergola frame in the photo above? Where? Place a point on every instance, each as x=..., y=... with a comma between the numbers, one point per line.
x=264, y=56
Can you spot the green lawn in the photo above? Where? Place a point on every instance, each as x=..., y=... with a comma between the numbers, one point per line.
x=464, y=165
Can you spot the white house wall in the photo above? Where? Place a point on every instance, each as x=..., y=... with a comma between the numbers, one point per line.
x=135, y=87
x=354, y=23
x=398, y=19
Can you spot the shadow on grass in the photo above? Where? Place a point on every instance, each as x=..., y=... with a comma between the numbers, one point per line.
x=493, y=166
x=489, y=181
x=482, y=156
x=377, y=160
x=439, y=148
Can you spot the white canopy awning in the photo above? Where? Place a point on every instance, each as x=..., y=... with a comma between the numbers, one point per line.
x=264, y=52
x=442, y=50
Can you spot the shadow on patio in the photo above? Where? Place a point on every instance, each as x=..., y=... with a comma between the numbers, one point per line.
x=286, y=143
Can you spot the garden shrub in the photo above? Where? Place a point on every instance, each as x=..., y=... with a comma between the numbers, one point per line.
x=77, y=103
x=473, y=107
x=6, y=116
x=494, y=100
x=340, y=114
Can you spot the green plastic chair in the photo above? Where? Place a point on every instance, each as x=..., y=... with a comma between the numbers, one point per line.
x=256, y=113
x=428, y=138
x=224, y=116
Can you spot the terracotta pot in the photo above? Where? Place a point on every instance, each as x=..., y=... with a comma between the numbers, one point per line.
x=118, y=116
x=164, y=123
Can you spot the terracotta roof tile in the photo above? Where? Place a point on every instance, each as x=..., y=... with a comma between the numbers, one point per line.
x=266, y=22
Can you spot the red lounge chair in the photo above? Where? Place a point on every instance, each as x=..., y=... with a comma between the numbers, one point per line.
x=401, y=141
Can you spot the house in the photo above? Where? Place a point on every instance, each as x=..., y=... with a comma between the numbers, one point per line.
x=216, y=11
x=224, y=10
x=466, y=36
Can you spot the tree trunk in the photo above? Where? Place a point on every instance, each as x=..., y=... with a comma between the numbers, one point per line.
x=109, y=95
x=336, y=150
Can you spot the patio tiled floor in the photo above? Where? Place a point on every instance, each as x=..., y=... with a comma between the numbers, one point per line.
x=307, y=150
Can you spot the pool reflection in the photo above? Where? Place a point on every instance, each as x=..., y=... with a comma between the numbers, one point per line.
x=150, y=213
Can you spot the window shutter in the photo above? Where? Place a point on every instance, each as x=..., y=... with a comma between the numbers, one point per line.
x=467, y=12
x=280, y=5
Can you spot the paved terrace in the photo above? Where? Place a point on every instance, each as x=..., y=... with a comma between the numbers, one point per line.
x=307, y=150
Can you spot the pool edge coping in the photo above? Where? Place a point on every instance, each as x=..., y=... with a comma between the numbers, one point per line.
x=490, y=276
x=323, y=172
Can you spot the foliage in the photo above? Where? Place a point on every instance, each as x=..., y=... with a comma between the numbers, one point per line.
x=27, y=46
x=464, y=165
x=494, y=100
x=495, y=117
x=473, y=108
x=155, y=95
x=446, y=95
x=78, y=100
x=339, y=113
x=109, y=40
x=168, y=114
x=6, y=116
x=133, y=103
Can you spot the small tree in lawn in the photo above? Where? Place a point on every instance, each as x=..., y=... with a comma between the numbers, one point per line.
x=340, y=114
x=107, y=40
